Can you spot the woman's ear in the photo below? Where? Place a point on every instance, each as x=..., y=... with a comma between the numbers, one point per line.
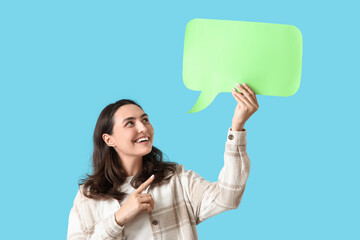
x=108, y=140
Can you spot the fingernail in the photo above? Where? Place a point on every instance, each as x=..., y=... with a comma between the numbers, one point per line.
x=152, y=176
x=244, y=84
x=233, y=89
x=238, y=85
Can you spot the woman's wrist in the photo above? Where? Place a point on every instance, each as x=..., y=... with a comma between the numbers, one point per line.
x=119, y=219
x=237, y=126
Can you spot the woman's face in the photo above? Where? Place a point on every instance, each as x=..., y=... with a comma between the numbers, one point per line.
x=132, y=133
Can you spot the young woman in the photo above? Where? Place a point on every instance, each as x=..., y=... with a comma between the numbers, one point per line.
x=134, y=194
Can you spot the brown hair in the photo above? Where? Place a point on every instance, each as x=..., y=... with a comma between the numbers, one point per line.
x=108, y=174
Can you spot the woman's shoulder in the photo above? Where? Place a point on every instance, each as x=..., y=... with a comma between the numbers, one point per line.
x=180, y=172
x=184, y=173
x=85, y=202
x=178, y=169
x=80, y=197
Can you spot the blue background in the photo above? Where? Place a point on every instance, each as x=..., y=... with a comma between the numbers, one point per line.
x=62, y=62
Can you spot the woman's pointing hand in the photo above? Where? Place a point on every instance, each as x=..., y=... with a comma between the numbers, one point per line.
x=136, y=202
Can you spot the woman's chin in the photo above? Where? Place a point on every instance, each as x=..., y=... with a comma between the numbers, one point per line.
x=146, y=151
x=143, y=148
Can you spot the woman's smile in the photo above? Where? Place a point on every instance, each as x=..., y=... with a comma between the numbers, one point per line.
x=143, y=140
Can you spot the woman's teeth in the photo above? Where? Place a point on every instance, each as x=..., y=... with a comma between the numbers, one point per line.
x=142, y=139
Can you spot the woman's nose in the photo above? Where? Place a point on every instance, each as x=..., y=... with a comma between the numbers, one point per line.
x=141, y=127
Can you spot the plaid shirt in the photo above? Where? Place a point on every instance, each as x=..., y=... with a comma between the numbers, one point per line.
x=182, y=201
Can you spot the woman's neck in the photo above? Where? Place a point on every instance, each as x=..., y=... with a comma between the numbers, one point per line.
x=132, y=165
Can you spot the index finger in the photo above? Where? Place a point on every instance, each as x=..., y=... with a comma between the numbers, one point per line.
x=248, y=88
x=143, y=186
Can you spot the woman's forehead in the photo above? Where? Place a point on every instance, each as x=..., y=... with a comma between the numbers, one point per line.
x=128, y=110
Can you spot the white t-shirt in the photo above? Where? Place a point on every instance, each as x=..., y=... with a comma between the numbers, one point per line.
x=138, y=228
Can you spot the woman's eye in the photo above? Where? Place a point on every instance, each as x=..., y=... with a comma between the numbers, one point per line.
x=128, y=123
x=145, y=120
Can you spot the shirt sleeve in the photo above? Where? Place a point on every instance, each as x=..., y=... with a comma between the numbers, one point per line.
x=81, y=214
x=211, y=198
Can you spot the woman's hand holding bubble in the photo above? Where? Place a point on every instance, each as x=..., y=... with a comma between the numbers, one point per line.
x=136, y=202
x=246, y=106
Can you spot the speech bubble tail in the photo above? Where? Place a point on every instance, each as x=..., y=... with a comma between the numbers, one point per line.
x=204, y=100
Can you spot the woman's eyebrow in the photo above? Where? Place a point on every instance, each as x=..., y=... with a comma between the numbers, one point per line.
x=131, y=118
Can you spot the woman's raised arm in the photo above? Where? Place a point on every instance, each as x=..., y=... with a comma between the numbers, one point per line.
x=209, y=199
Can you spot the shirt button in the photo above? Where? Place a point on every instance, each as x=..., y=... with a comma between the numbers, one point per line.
x=231, y=137
x=155, y=222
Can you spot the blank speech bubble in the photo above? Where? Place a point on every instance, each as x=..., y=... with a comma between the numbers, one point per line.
x=220, y=53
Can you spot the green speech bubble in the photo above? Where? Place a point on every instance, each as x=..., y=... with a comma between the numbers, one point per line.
x=220, y=53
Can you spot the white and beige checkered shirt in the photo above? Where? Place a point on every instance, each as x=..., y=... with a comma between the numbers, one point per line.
x=180, y=203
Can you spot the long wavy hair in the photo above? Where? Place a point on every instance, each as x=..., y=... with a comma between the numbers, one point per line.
x=108, y=174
